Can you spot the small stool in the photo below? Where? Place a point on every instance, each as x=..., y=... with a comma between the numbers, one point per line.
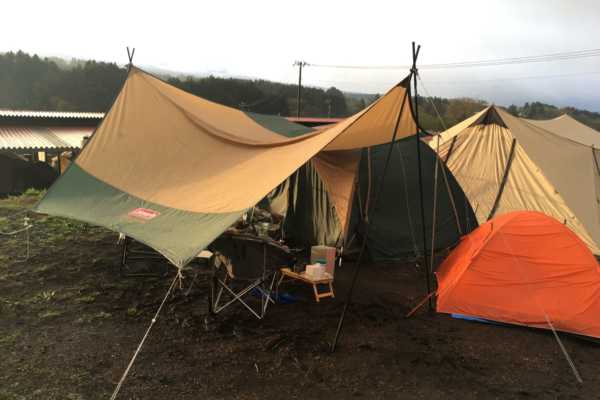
x=301, y=276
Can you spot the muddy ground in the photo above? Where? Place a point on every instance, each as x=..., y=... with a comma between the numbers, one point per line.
x=69, y=324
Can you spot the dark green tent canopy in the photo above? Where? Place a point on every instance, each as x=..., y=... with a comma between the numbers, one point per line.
x=395, y=230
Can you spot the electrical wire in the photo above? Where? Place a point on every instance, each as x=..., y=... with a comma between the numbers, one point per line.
x=480, y=63
x=478, y=81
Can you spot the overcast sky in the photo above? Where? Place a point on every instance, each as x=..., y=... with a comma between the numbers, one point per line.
x=263, y=38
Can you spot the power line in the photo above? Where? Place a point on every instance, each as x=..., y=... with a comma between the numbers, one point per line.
x=457, y=82
x=477, y=81
x=481, y=63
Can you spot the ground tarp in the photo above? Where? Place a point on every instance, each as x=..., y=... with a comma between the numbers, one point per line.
x=173, y=170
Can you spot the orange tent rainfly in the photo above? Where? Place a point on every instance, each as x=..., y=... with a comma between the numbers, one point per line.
x=523, y=268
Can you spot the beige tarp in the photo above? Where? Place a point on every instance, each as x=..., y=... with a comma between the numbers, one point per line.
x=568, y=127
x=187, y=153
x=548, y=172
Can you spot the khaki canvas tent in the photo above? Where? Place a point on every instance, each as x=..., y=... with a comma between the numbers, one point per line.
x=505, y=163
x=173, y=170
x=570, y=128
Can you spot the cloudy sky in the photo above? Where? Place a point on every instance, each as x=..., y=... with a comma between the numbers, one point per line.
x=263, y=38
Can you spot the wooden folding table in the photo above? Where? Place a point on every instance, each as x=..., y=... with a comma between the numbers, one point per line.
x=303, y=277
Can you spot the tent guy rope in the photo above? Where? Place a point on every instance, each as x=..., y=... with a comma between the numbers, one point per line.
x=139, y=348
x=546, y=316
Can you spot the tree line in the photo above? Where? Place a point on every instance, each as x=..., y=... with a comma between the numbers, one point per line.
x=34, y=83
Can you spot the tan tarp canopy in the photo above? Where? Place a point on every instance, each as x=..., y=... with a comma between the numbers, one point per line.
x=505, y=163
x=182, y=158
x=570, y=128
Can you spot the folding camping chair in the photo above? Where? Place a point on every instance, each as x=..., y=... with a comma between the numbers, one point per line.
x=245, y=267
x=136, y=254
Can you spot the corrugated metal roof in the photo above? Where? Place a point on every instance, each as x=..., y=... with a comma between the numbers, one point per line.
x=73, y=136
x=49, y=114
x=34, y=137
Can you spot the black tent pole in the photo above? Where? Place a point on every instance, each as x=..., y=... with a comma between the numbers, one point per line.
x=414, y=74
x=364, y=223
x=130, y=55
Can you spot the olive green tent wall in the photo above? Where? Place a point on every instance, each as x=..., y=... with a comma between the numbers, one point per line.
x=395, y=222
x=311, y=217
x=395, y=225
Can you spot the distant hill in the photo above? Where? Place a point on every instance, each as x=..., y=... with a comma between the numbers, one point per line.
x=31, y=82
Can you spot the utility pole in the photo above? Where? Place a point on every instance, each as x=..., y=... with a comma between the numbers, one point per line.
x=299, y=64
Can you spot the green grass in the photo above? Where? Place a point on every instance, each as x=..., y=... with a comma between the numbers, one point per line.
x=49, y=314
x=9, y=340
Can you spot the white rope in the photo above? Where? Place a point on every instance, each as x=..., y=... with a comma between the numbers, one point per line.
x=139, y=348
x=27, y=225
x=548, y=321
x=432, y=103
x=445, y=176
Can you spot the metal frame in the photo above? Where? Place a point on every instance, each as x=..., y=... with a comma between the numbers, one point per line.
x=264, y=284
x=138, y=255
x=220, y=285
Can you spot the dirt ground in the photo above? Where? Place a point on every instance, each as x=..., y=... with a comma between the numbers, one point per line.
x=69, y=324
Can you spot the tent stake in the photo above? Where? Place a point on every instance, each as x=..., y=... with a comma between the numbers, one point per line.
x=415, y=53
x=415, y=308
x=364, y=227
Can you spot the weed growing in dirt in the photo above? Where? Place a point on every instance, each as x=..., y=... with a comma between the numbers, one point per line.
x=133, y=311
x=9, y=340
x=26, y=200
x=87, y=299
x=49, y=314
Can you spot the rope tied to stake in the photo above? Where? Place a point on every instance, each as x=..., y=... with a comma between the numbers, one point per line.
x=27, y=225
x=139, y=348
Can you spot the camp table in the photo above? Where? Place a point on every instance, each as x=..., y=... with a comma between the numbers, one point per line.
x=303, y=277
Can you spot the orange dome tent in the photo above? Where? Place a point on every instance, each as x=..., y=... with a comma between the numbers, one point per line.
x=523, y=268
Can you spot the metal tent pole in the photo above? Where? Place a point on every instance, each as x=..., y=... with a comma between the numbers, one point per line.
x=364, y=224
x=414, y=72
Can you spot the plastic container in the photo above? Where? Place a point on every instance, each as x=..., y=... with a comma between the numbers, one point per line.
x=315, y=271
x=324, y=255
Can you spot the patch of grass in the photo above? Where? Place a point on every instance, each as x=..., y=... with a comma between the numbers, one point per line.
x=49, y=314
x=4, y=395
x=25, y=200
x=88, y=299
x=94, y=317
x=132, y=311
x=9, y=340
x=42, y=269
x=102, y=315
x=46, y=295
